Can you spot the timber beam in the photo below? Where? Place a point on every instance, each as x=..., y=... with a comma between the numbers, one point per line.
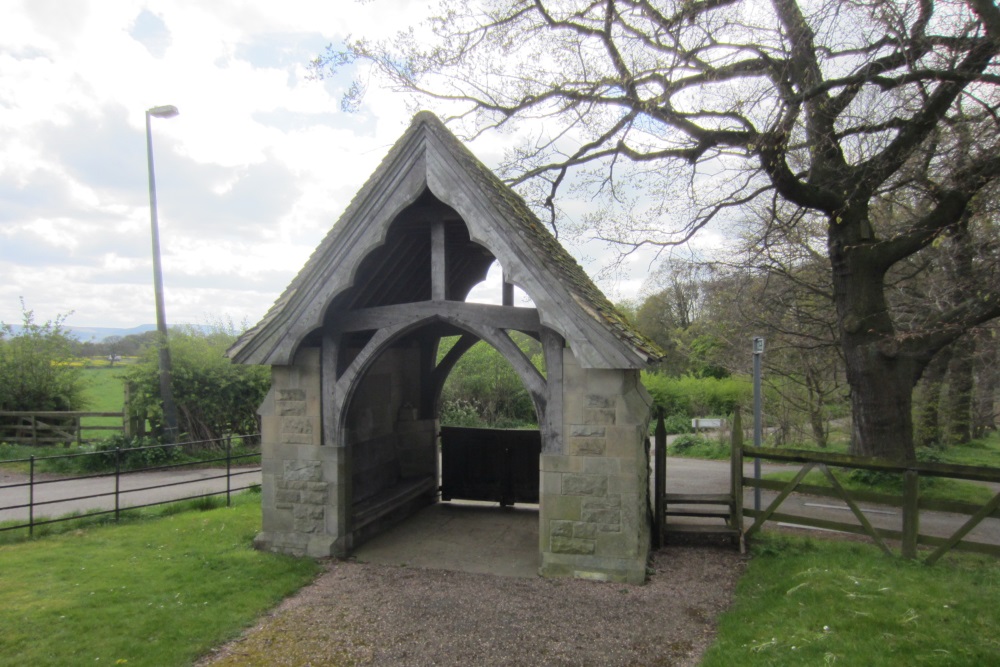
x=379, y=317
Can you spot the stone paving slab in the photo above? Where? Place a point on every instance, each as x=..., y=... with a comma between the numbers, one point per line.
x=463, y=536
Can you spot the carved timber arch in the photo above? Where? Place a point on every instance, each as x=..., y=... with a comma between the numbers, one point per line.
x=343, y=384
x=350, y=425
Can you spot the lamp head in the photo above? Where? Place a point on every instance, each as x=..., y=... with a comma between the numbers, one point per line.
x=166, y=111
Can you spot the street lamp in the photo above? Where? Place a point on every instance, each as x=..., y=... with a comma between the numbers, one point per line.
x=166, y=392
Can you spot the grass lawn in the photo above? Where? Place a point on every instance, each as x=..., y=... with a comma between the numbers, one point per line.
x=147, y=592
x=824, y=602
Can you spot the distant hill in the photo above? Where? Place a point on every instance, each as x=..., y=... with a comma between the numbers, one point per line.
x=98, y=334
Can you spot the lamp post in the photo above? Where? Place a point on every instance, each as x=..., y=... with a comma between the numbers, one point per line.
x=166, y=392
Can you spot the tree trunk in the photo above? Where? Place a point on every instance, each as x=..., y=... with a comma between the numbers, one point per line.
x=881, y=377
x=958, y=404
x=928, y=433
x=817, y=418
x=881, y=402
x=984, y=415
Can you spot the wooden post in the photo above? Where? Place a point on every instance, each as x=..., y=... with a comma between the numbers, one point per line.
x=507, y=296
x=911, y=513
x=660, y=477
x=736, y=474
x=438, y=269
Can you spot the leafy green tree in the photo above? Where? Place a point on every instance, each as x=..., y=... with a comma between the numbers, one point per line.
x=214, y=397
x=35, y=373
x=687, y=111
x=484, y=382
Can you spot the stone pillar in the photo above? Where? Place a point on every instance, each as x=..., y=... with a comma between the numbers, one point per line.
x=297, y=469
x=594, y=520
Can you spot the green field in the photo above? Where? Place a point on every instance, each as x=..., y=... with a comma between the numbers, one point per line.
x=104, y=392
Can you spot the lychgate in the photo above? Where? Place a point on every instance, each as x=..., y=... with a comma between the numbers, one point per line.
x=350, y=426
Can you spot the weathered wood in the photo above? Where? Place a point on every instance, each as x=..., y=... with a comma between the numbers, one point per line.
x=40, y=432
x=696, y=498
x=438, y=259
x=862, y=519
x=787, y=491
x=500, y=317
x=736, y=474
x=825, y=491
x=973, y=521
x=660, y=477
x=701, y=513
x=56, y=413
x=701, y=529
x=911, y=513
x=507, y=294
x=974, y=473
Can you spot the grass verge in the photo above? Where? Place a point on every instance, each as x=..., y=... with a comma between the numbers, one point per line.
x=822, y=602
x=147, y=592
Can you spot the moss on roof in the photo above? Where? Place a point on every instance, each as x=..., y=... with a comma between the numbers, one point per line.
x=537, y=235
x=524, y=223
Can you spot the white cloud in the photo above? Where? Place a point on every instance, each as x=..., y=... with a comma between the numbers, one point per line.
x=251, y=175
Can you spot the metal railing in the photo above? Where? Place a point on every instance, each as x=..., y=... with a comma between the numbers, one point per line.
x=186, y=473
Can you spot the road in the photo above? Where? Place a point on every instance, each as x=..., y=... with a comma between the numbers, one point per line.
x=59, y=497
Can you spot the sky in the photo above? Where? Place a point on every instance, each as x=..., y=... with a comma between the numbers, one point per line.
x=250, y=176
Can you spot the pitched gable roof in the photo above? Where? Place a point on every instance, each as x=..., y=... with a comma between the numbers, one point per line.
x=429, y=157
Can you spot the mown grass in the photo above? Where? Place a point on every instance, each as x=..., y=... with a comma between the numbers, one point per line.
x=822, y=602
x=104, y=392
x=147, y=592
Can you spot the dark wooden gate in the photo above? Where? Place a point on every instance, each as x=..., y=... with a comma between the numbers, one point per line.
x=499, y=465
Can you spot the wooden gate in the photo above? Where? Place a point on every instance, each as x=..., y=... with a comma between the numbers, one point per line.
x=499, y=465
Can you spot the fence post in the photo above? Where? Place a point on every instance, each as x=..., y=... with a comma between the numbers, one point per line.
x=229, y=463
x=31, y=495
x=118, y=475
x=736, y=471
x=659, y=476
x=911, y=513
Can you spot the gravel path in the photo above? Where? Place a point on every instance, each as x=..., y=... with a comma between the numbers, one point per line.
x=366, y=614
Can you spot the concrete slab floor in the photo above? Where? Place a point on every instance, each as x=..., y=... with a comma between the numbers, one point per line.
x=464, y=536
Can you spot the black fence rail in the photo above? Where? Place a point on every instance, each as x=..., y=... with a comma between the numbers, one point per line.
x=128, y=487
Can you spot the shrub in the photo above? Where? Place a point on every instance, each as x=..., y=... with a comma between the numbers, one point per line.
x=677, y=424
x=35, y=369
x=687, y=442
x=136, y=453
x=697, y=396
x=214, y=397
x=460, y=412
x=485, y=380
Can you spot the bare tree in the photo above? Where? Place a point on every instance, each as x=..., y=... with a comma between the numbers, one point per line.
x=679, y=112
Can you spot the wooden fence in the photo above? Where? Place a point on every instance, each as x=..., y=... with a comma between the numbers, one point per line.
x=909, y=502
x=53, y=428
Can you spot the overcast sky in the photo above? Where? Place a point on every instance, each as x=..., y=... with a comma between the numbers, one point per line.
x=250, y=176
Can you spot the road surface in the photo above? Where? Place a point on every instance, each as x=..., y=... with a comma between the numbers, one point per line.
x=54, y=496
